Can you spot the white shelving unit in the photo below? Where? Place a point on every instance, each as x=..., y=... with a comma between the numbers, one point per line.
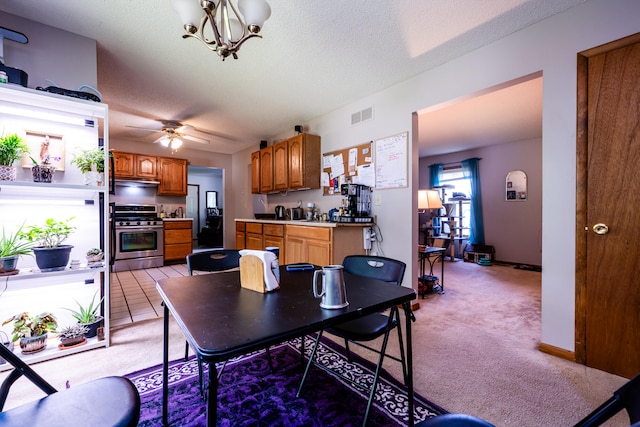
x=76, y=124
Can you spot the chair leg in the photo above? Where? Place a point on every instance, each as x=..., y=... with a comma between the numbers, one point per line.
x=401, y=346
x=306, y=371
x=186, y=351
x=201, y=378
x=347, y=350
x=374, y=386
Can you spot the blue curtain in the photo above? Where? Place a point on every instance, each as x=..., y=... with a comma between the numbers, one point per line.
x=434, y=174
x=471, y=171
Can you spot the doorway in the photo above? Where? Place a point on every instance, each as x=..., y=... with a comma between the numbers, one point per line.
x=607, y=155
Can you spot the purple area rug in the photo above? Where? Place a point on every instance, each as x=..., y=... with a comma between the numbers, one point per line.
x=250, y=394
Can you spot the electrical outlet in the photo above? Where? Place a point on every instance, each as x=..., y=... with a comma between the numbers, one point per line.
x=378, y=199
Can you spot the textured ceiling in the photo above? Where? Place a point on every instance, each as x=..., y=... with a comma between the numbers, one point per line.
x=315, y=57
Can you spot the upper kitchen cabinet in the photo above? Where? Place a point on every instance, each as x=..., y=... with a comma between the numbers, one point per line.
x=130, y=165
x=255, y=172
x=292, y=164
x=266, y=170
x=172, y=174
x=304, y=161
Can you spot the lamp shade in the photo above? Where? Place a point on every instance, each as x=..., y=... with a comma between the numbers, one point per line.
x=255, y=12
x=189, y=11
x=429, y=199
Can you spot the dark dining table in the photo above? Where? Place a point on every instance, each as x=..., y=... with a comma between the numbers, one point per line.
x=221, y=320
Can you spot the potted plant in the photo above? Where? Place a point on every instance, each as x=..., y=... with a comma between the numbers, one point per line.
x=88, y=316
x=91, y=164
x=12, y=147
x=43, y=172
x=72, y=336
x=94, y=255
x=11, y=247
x=50, y=254
x=32, y=330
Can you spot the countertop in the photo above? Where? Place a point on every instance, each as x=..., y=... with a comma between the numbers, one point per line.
x=308, y=223
x=177, y=219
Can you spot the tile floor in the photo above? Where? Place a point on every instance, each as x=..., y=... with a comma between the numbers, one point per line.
x=134, y=296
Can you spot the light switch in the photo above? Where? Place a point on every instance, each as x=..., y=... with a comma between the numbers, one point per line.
x=378, y=199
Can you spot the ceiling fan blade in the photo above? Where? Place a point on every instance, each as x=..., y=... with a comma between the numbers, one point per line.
x=216, y=134
x=196, y=139
x=141, y=128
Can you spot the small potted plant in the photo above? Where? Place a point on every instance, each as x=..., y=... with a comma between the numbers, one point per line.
x=32, y=331
x=11, y=247
x=43, y=172
x=72, y=336
x=94, y=255
x=12, y=147
x=91, y=164
x=88, y=316
x=50, y=254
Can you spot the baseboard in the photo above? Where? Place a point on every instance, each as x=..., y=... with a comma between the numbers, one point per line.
x=557, y=352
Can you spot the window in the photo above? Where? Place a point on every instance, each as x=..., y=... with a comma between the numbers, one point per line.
x=453, y=175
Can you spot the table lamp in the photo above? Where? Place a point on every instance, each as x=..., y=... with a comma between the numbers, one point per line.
x=429, y=199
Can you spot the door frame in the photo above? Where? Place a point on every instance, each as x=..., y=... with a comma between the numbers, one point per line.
x=582, y=158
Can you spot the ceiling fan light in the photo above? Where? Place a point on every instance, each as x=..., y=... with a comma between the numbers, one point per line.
x=164, y=141
x=255, y=12
x=189, y=11
x=176, y=143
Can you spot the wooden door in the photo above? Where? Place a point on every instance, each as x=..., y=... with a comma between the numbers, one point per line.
x=280, y=170
x=124, y=166
x=296, y=164
x=173, y=176
x=608, y=184
x=146, y=166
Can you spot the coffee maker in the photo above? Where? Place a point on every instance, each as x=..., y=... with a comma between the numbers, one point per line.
x=358, y=203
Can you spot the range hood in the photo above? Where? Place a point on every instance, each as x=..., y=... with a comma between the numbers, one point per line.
x=136, y=183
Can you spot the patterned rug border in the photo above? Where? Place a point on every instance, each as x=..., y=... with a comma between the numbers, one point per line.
x=391, y=397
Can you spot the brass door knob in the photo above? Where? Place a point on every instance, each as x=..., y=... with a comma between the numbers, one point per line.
x=600, y=228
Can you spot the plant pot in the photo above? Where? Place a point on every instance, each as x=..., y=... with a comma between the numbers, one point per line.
x=42, y=173
x=71, y=342
x=93, y=327
x=8, y=265
x=93, y=178
x=35, y=344
x=8, y=173
x=95, y=258
x=52, y=259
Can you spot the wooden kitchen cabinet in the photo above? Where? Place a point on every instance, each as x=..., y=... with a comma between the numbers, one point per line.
x=177, y=240
x=273, y=235
x=240, y=235
x=322, y=245
x=304, y=161
x=266, y=169
x=172, y=174
x=255, y=172
x=253, y=236
x=146, y=166
x=124, y=165
x=280, y=166
x=292, y=164
x=131, y=165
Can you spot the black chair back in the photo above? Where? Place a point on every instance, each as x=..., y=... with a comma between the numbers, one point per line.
x=375, y=267
x=215, y=260
x=626, y=397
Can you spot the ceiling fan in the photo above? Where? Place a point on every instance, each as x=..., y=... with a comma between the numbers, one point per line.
x=174, y=133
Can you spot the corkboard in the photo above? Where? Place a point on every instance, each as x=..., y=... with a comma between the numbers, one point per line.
x=349, y=165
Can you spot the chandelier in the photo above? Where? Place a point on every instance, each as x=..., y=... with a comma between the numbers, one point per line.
x=226, y=31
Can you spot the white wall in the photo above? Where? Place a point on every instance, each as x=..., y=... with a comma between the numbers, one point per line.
x=550, y=46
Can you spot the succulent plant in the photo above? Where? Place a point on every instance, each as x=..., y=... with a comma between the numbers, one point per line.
x=73, y=331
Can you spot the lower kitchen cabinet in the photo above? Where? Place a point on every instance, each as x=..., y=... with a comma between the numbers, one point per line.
x=273, y=235
x=240, y=234
x=253, y=236
x=177, y=240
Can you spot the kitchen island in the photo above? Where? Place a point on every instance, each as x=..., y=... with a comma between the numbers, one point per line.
x=315, y=242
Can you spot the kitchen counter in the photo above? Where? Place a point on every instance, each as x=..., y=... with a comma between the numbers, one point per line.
x=308, y=223
x=177, y=219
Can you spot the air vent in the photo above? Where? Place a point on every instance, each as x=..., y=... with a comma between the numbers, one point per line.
x=362, y=116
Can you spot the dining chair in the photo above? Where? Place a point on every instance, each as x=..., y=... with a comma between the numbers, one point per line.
x=372, y=326
x=109, y=401
x=216, y=260
x=626, y=397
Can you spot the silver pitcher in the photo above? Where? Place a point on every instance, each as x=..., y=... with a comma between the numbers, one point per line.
x=334, y=291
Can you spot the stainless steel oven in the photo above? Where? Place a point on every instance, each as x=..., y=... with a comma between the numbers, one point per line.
x=137, y=237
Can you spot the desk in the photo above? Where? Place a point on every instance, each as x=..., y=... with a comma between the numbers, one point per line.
x=431, y=255
x=221, y=320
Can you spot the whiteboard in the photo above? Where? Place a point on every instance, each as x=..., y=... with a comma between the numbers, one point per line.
x=392, y=161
